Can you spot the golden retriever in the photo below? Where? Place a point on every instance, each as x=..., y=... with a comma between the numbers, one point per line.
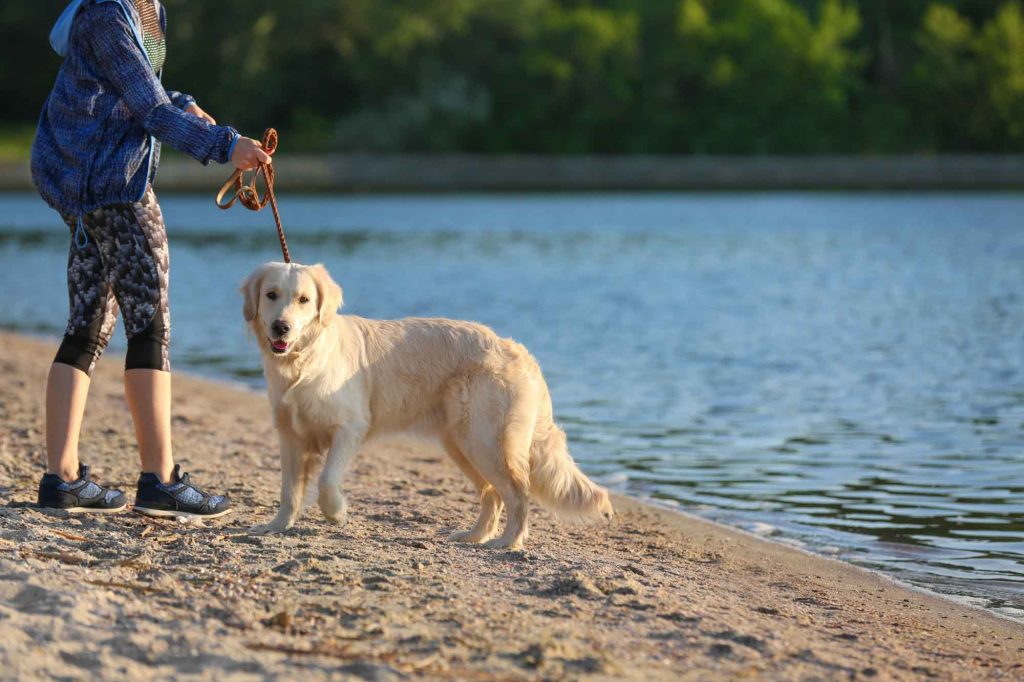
x=337, y=380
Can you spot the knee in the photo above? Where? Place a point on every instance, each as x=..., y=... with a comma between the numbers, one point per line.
x=490, y=497
x=148, y=348
x=81, y=350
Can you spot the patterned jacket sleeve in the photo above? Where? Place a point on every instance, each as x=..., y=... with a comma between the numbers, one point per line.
x=180, y=99
x=119, y=60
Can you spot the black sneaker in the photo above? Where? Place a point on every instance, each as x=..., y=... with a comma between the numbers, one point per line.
x=178, y=498
x=80, y=495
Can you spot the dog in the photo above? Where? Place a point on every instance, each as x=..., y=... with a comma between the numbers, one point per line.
x=335, y=381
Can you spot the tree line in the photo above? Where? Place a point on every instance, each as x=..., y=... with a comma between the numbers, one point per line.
x=583, y=76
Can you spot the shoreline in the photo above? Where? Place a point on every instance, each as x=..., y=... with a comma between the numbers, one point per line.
x=445, y=173
x=962, y=601
x=621, y=498
x=658, y=594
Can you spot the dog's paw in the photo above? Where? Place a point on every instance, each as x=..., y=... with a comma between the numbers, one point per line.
x=267, y=529
x=337, y=519
x=466, y=536
x=502, y=543
x=334, y=505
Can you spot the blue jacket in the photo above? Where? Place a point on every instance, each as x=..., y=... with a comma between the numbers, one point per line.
x=98, y=139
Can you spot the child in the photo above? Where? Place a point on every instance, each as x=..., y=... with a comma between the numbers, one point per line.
x=94, y=158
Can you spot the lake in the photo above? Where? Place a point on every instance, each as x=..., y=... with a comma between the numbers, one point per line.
x=844, y=372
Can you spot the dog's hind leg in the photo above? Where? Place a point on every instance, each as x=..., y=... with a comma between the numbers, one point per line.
x=515, y=494
x=486, y=526
x=499, y=414
x=506, y=464
x=294, y=475
x=344, y=444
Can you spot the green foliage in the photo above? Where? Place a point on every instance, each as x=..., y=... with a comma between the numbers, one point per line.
x=16, y=141
x=1000, y=48
x=584, y=76
x=775, y=79
x=969, y=82
x=945, y=75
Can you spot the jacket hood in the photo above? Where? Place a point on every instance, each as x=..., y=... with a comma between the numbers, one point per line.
x=60, y=34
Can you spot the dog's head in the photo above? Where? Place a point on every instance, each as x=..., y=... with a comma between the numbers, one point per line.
x=287, y=304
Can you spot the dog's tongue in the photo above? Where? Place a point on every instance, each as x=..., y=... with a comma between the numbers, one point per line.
x=280, y=345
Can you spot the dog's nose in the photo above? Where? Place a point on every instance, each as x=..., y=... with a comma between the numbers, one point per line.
x=280, y=327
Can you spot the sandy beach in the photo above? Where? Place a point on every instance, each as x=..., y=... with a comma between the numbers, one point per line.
x=653, y=595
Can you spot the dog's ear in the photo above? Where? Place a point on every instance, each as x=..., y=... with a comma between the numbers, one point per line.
x=251, y=293
x=329, y=296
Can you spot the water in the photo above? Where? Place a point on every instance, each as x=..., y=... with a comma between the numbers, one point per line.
x=844, y=372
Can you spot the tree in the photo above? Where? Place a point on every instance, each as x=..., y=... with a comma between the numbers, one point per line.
x=968, y=84
x=575, y=76
x=763, y=76
x=1000, y=49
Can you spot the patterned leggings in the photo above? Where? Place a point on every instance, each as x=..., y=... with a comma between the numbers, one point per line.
x=123, y=263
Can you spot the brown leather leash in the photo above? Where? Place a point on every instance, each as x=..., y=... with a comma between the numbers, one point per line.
x=249, y=196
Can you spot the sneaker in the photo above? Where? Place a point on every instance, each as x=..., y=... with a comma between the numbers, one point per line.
x=80, y=495
x=177, y=498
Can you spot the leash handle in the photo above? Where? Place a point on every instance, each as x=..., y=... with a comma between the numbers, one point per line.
x=234, y=181
x=249, y=196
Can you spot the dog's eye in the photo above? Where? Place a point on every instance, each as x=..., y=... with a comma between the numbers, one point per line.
x=303, y=299
x=272, y=295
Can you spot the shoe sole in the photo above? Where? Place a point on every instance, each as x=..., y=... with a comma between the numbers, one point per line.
x=168, y=514
x=89, y=510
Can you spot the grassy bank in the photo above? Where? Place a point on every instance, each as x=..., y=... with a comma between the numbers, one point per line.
x=454, y=173
x=15, y=143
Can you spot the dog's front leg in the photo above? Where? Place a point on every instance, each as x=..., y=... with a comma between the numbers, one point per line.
x=293, y=489
x=345, y=443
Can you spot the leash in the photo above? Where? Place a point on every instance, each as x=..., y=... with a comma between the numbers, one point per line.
x=249, y=196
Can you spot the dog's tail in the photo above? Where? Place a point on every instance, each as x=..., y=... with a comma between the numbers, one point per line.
x=556, y=481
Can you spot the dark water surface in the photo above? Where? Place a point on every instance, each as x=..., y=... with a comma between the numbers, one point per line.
x=844, y=372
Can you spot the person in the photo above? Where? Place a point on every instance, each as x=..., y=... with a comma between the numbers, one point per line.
x=94, y=159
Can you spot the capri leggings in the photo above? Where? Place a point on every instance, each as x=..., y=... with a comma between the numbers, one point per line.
x=120, y=262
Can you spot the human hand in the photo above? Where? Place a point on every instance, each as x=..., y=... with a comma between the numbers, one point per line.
x=249, y=154
x=196, y=110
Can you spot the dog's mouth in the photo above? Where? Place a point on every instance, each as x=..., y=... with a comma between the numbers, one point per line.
x=279, y=346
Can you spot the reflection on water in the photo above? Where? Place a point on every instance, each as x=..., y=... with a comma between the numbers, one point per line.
x=841, y=371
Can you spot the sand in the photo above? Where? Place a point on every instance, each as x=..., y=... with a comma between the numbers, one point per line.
x=653, y=595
